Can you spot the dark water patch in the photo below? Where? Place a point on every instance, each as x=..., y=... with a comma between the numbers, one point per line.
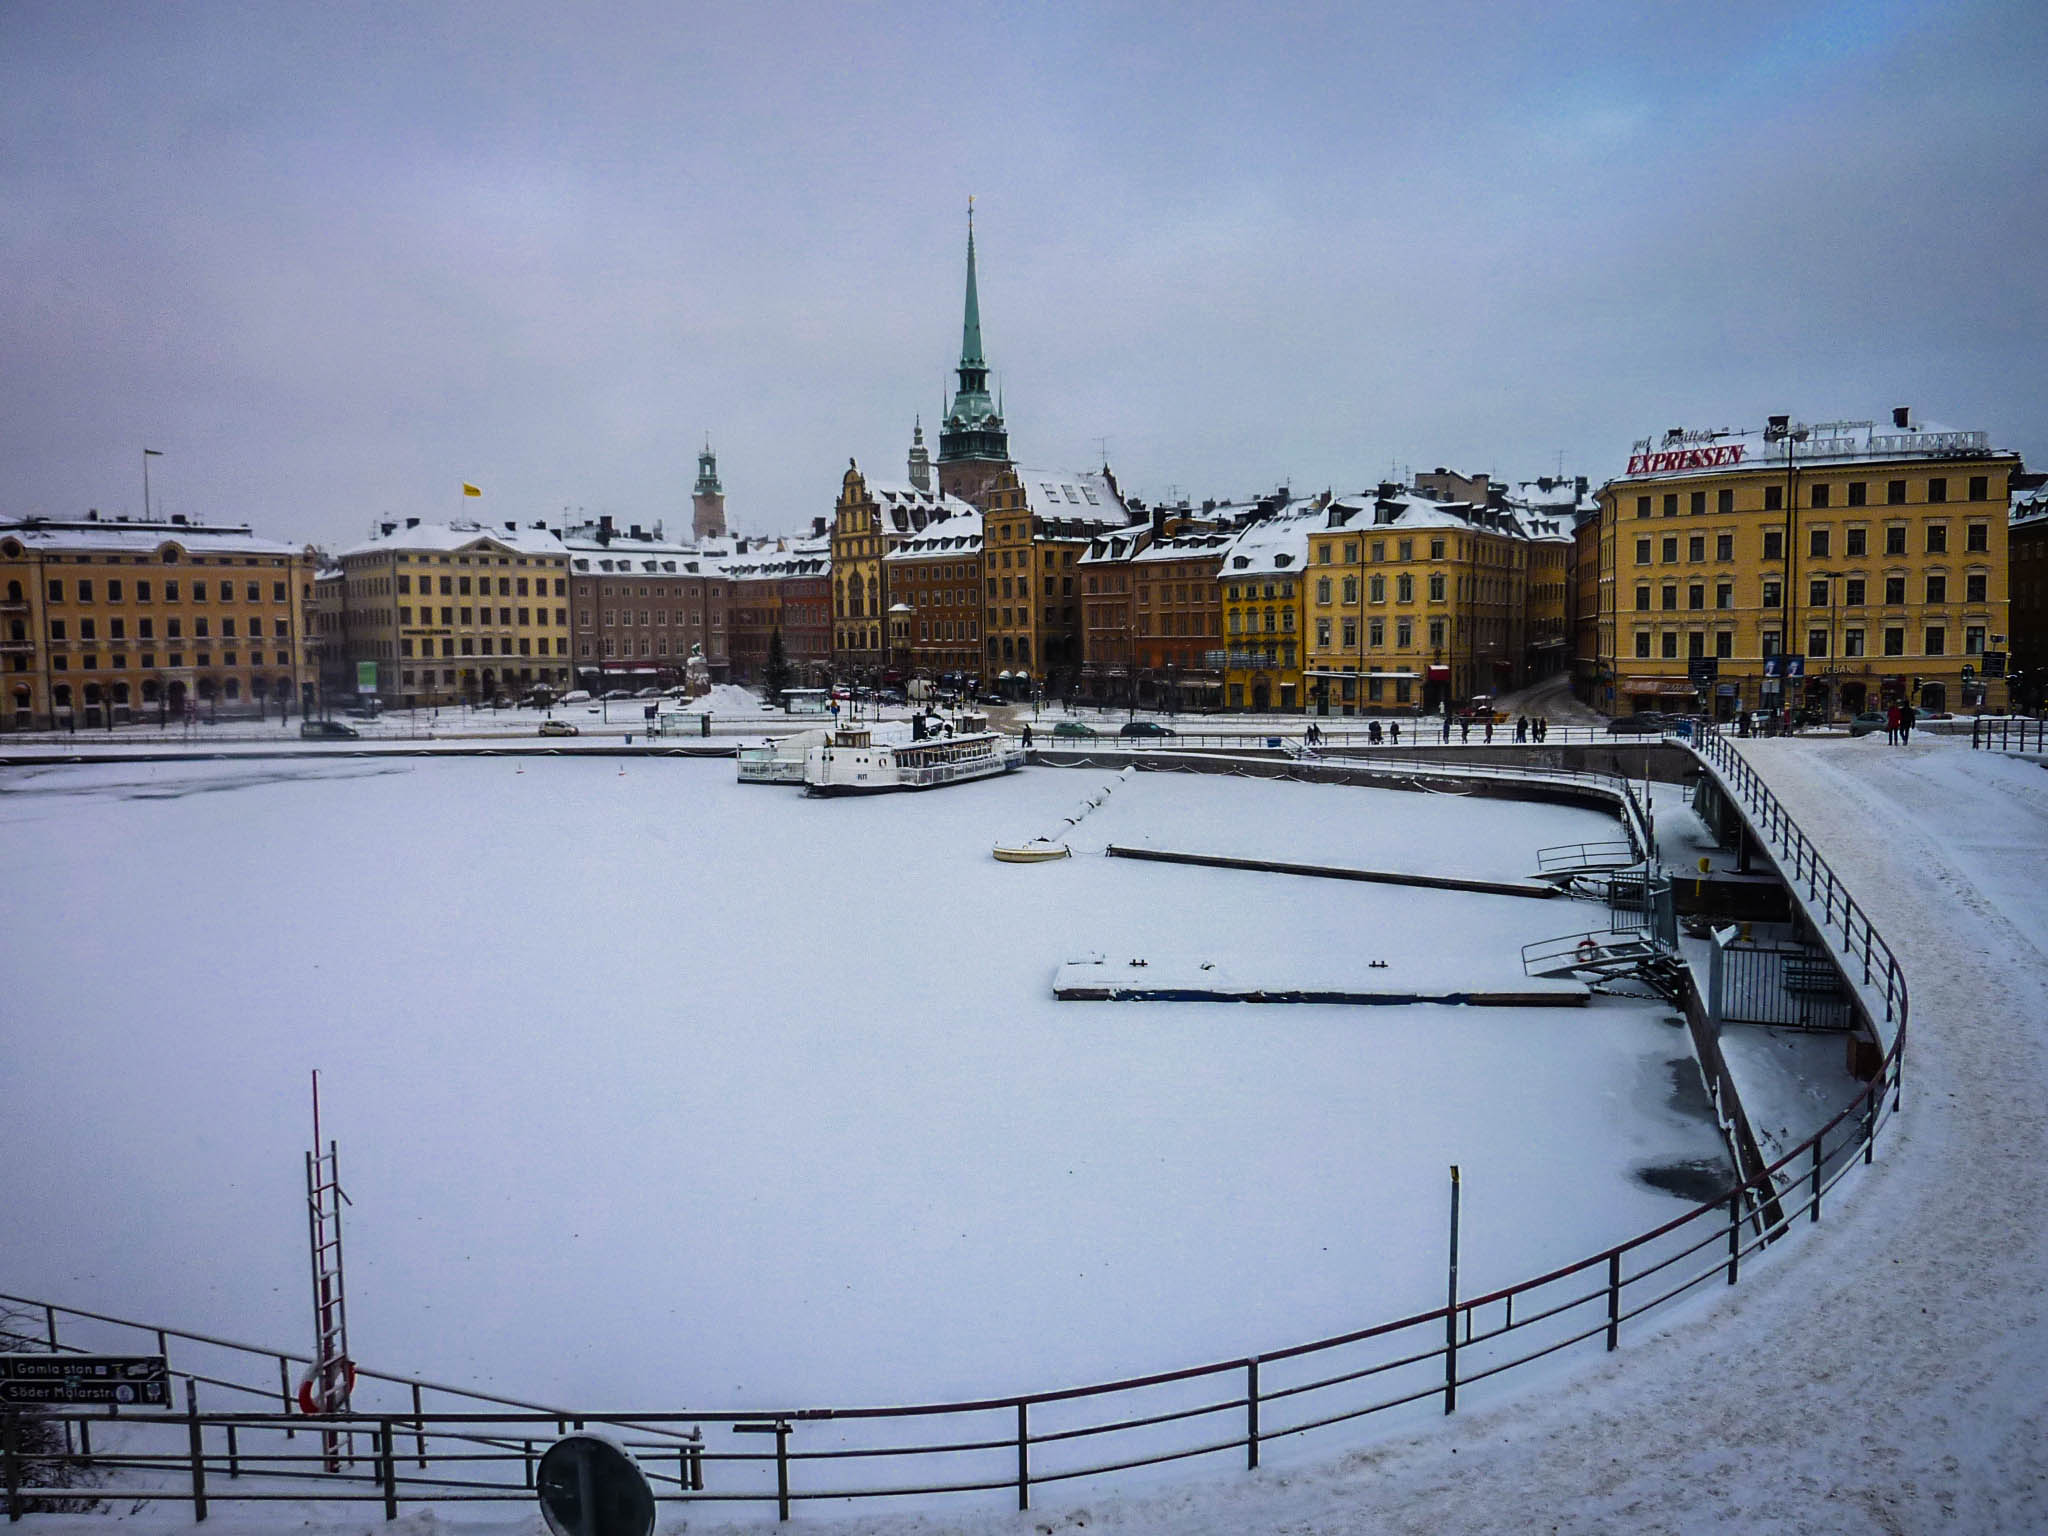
x=1688, y=1092
x=145, y=789
x=1695, y=1180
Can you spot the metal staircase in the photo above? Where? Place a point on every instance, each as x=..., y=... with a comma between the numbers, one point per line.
x=331, y=1377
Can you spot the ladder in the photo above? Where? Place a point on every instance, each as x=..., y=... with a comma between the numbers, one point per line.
x=330, y=1379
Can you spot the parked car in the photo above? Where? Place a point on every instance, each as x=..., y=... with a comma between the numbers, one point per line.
x=1870, y=720
x=619, y=693
x=1074, y=728
x=991, y=698
x=1647, y=723
x=557, y=728
x=328, y=730
x=576, y=696
x=1144, y=728
x=648, y=693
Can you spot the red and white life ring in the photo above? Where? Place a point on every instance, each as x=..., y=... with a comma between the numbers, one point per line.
x=1589, y=950
x=309, y=1396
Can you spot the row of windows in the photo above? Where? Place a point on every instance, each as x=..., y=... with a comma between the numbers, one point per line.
x=508, y=586
x=426, y=676
x=452, y=615
x=1934, y=642
x=145, y=628
x=1819, y=543
x=481, y=645
x=1376, y=633
x=1820, y=592
x=118, y=662
x=1819, y=494
x=252, y=591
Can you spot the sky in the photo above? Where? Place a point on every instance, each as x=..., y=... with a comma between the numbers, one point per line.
x=333, y=261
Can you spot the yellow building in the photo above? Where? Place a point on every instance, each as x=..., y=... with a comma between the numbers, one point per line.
x=108, y=620
x=872, y=518
x=1036, y=525
x=448, y=612
x=1836, y=567
x=1413, y=603
x=1263, y=579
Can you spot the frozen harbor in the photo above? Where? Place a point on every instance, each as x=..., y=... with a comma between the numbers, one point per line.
x=656, y=1090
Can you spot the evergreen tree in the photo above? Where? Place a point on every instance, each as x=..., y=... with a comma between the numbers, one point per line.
x=776, y=677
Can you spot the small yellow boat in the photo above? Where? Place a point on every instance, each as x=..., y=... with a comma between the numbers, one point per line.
x=1038, y=851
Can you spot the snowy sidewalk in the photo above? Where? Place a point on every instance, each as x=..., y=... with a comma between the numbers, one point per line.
x=1884, y=1370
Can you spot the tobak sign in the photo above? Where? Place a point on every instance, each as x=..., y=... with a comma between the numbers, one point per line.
x=142, y=1381
x=1670, y=461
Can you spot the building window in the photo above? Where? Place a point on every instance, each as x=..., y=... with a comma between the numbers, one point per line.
x=1894, y=641
x=1670, y=551
x=1895, y=539
x=1436, y=587
x=1894, y=591
x=1852, y=592
x=1937, y=589
x=1670, y=644
x=1977, y=538
x=1696, y=596
x=1642, y=506
x=1773, y=594
x=1697, y=504
x=1774, y=498
x=1671, y=504
x=1724, y=594
x=1724, y=546
x=1772, y=642
x=1404, y=588
x=1642, y=551
x=1696, y=547
x=1817, y=543
x=1642, y=645
x=1816, y=642
x=1895, y=493
x=1937, y=489
x=1404, y=633
x=1322, y=583
x=1856, y=541
x=1377, y=630
x=1852, y=642
x=1974, y=586
x=1668, y=597
x=1817, y=592
x=1436, y=633
x=1774, y=544
x=1642, y=599
x=1937, y=538
x=1937, y=640
x=1724, y=642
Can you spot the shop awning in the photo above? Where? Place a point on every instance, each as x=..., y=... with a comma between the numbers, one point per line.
x=1439, y=674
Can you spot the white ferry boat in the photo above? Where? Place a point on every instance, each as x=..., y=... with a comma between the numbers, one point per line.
x=778, y=762
x=852, y=762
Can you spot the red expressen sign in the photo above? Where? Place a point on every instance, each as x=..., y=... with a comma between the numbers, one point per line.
x=1716, y=457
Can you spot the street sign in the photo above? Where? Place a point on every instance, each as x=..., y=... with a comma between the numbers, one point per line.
x=366, y=677
x=1703, y=670
x=590, y=1486
x=142, y=1381
x=1994, y=663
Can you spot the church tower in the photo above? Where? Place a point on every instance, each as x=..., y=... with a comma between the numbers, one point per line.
x=707, y=498
x=920, y=459
x=974, y=446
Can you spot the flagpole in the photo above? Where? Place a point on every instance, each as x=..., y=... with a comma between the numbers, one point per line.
x=147, y=455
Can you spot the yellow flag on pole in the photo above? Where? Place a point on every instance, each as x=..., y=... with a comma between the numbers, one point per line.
x=470, y=490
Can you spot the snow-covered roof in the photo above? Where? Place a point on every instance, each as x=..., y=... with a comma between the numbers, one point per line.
x=956, y=534
x=2030, y=506
x=1115, y=546
x=1187, y=546
x=449, y=537
x=121, y=535
x=1072, y=497
x=1276, y=544
x=906, y=508
x=796, y=558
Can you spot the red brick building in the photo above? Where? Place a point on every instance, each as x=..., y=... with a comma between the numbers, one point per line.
x=639, y=603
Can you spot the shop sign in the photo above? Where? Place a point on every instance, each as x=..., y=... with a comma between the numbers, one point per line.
x=1672, y=460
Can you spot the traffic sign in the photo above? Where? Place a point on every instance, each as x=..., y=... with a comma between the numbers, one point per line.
x=1994, y=663
x=590, y=1485
x=141, y=1381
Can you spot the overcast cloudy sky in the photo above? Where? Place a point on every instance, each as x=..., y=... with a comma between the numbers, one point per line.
x=335, y=259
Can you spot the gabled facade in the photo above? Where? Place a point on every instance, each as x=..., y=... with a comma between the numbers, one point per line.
x=1037, y=524
x=871, y=519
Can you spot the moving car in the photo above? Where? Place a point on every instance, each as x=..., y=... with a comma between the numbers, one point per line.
x=575, y=696
x=327, y=730
x=1648, y=723
x=557, y=728
x=1074, y=728
x=1144, y=728
x=1870, y=720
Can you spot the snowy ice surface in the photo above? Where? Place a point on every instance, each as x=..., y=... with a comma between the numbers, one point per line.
x=657, y=1090
x=1880, y=1372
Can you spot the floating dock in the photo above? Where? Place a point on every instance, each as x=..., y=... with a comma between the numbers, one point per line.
x=1146, y=979
x=1338, y=872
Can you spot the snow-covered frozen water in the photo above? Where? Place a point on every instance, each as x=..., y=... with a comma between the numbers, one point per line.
x=653, y=1090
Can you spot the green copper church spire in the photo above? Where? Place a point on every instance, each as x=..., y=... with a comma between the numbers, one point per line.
x=970, y=332
x=972, y=432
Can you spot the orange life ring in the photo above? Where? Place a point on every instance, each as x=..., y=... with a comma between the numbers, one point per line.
x=309, y=1402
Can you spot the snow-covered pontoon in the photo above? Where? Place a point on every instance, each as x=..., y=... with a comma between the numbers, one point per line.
x=778, y=762
x=851, y=762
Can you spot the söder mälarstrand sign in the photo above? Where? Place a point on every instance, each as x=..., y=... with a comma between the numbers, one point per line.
x=140, y=1381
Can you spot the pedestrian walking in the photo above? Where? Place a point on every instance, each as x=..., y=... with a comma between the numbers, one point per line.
x=1394, y=730
x=1464, y=731
x=1489, y=729
x=1521, y=729
x=1907, y=715
x=1891, y=725
x=1447, y=725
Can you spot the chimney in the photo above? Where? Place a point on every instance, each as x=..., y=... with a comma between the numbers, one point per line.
x=412, y=522
x=1900, y=416
x=1208, y=504
x=604, y=530
x=634, y=532
x=92, y=514
x=817, y=527
x=385, y=530
x=511, y=527
x=1158, y=523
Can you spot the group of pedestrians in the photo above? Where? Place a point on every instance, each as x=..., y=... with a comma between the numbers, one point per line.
x=1898, y=723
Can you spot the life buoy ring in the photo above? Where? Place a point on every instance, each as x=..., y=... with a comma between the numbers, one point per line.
x=1588, y=950
x=309, y=1401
